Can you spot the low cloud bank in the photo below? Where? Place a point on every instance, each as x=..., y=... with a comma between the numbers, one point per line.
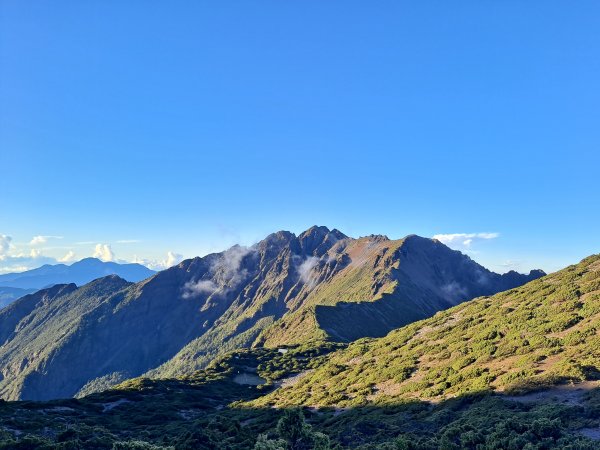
x=225, y=273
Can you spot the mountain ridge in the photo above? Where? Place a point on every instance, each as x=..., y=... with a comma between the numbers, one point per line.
x=519, y=369
x=80, y=272
x=180, y=319
x=10, y=294
x=537, y=335
x=401, y=277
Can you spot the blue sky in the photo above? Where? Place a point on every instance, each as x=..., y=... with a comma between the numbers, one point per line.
x=133, y=129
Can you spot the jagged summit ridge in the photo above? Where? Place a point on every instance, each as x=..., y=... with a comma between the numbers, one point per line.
x=287, y=288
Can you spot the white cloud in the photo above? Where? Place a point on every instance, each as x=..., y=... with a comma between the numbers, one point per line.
x=34, y=253
x=171, y=260
x=454, y=292
x=192, y=289
x=22, y=259
x=37, y=240
x=305, y=269
x=510, y=264
x=4, y=245
x=104, y=252
x=487, y=235
x=143, y=261
x=14, y=269
x=22, y=262
x=70, y=256
x=128, y=241
x=225, y=273
x=464, y=240
x=40, y=240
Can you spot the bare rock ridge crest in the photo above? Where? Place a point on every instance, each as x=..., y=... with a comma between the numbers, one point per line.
x=286, y=289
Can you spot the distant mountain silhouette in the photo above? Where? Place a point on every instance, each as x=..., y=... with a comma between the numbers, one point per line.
x=80, y=273
x=10, y=294
x=286, y=289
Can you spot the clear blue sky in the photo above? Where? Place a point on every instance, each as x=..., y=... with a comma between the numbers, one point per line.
x=190, y=126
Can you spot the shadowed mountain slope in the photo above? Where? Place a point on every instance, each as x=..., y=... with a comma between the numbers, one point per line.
x=214, y=409
x=543, y=333
x=384, y=285
x=319, y=285
x=341, y=290
x=9, y=294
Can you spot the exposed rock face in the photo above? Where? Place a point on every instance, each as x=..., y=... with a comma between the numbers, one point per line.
x=285, y=289
x=386, y=284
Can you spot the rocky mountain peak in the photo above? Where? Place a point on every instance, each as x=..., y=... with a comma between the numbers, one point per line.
x=317, y=240
x=286, y=289
x=276, y=241
x=537, y=273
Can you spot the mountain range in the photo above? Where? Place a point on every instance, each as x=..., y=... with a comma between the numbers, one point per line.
x=80, y=272
x=519, y=369
x=537, y=335
x=319, y=286
x=19, y=284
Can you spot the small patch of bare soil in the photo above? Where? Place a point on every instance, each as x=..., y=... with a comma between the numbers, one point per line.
x=112, y=405
x=292, y=380
x=592, y=433
x=570, y=394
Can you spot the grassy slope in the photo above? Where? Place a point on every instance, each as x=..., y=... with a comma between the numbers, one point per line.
x=387, y=393
x=164, y=411
x=210, y=411
x=33, y=328
x=386, y=284
x=285, y=290
x=544, y=332
x=366, y=278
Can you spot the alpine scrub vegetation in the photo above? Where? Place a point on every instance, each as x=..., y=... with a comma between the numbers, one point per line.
x=516, y=370
x=293, y=433
x=285, y=290
x=540, y=334
x=460, y=380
